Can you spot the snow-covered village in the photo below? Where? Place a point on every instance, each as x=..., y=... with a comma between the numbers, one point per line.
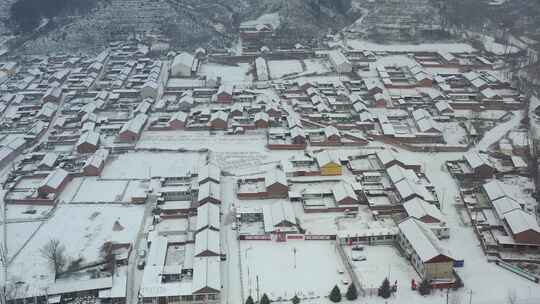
x=348, y=170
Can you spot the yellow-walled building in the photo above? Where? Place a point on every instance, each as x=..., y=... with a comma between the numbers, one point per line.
x=328, y=164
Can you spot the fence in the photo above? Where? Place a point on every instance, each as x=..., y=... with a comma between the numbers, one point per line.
x=350, y=270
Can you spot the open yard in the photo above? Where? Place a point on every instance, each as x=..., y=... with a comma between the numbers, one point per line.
x=313, y=274
x=82, y=230
x=142, y=165
x=229, y=73
x=174, y=140
x=280, y=68
x=96, y=191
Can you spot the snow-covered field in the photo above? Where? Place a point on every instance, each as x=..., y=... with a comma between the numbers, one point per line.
x=142, y=165
x=82, y=230
x=173, y=140
x=19, y=234
x=427, y=47
x=316, y=66
x=280, y=68
x=22, y=212
x=229, y=73
x=316, y=271
x=94, y=190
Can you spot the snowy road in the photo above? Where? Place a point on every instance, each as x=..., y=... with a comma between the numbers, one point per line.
x=134, y=275
x=493, y=135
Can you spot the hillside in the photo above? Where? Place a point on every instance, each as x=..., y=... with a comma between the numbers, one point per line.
x=189, y=23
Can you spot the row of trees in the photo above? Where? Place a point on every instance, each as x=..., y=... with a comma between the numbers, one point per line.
x=384, y=291
x=266, y=300
x=335, y=296
x=351, y=294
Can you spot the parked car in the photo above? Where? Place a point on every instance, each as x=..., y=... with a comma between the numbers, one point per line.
x=340, y=271
x=141, y=264
x=358, y=248
x=358, y=257
x=345, y=282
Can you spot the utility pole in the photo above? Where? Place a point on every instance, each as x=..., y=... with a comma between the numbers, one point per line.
x=258, y=298
x=470, y=296
x=294, y=253
x=447, y=294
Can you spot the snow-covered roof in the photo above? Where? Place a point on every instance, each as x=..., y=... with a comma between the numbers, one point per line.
x=219, y=115
x=446, y=56
x=420, y=114
x=294, y=120
x=179, y=116
x=520, y=221
x=418, y=208
x=261, y=116
x=407, y=187
x=489, y=93
x=208, y=216
x=90, y=137
x=338, y=58
x=99, y=157
x=504, y=205
x=49, y=160
x=206, y=274
x=474, y=159
x=343, y=191
x=443, y=106
x=331, y=131
x=69, y=286
x=47, y=110
x=274, y=176
x=55, y=178
x=298, y=132
x=397, y=173
x=277, y=214
x=428, y=125
x=184, y=59
x=325, y=157
x=209, y=190
x=262, y=69
x=386, y=156
x=360, y=107
x=424, y=243
x=207, y=240
x=209, y=171
x=135, y=125
x=225, y=89
x=493, y=190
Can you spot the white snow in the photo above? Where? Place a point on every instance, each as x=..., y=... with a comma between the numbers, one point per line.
x=82, y=229
x=143, y=165
x=316, y=271
x=202, y=140
x=280, y=68
x=422, y=47
x=230, y=74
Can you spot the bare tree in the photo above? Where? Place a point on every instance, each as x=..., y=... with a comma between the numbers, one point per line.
x=54, y=252
x=107, y=253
